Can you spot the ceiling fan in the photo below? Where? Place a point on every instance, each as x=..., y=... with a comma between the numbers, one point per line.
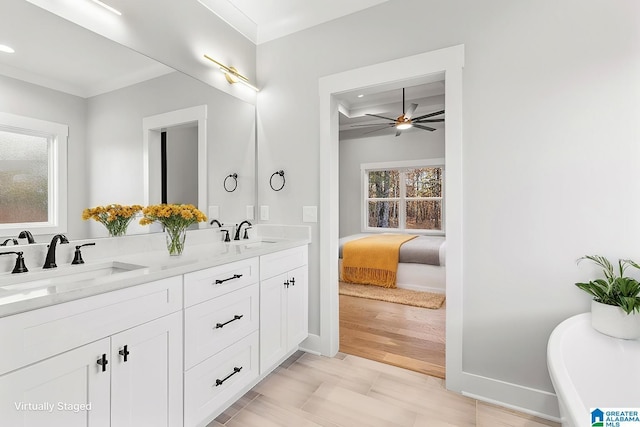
x=406, y=121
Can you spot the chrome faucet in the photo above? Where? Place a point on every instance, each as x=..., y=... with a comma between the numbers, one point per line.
x=237, y=236
x=50, y=262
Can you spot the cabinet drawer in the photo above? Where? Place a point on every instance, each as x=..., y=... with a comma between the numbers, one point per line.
x=215, y=324
x=214, y=384
x=205, y=284
x=282, y=261
x=38, y=334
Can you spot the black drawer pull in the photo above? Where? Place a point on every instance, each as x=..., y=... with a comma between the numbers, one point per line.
x=235, y=276
x=235, y=371
x=236, y=317
x=124, y=352
x=103, y=362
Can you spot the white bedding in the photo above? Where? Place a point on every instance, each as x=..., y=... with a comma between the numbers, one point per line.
x=419, y=277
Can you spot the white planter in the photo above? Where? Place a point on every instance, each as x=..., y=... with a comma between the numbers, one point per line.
x=613, y=321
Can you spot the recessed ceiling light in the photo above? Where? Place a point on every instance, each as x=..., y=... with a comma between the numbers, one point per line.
x=109, y=8
x=360, y=96
x=6, y=49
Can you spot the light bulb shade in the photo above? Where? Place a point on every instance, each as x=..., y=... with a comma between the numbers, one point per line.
x=404, y=126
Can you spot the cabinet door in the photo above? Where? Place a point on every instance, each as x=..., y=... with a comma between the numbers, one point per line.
x=273, y=331
x=146, y=388
x=68, y=390
x=297, y=307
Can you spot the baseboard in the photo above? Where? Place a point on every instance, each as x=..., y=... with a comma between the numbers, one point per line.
x=530, y=401
x=312, y=344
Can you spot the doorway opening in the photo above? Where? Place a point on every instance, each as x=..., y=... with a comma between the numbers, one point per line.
x=449, y=62
x=391, y=182
x=182, y=178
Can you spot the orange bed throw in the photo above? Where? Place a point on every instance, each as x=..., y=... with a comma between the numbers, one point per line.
x=373, y=260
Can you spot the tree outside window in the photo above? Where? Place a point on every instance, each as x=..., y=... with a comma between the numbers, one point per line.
x=405, y=199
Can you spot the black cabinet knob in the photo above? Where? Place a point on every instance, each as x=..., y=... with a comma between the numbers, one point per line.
x=124, y=353
x=103, y=362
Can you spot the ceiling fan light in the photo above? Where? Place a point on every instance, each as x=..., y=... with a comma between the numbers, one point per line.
x=404, y=126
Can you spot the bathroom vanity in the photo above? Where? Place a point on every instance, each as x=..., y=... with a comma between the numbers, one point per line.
x=148, y=339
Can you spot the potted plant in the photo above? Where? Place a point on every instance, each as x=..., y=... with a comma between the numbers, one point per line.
x=615, y=308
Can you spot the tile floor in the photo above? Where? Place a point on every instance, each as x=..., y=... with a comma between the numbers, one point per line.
x=349, y=391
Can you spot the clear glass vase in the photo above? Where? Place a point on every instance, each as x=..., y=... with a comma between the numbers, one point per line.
x=175, y=240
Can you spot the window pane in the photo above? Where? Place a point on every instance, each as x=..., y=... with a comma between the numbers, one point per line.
x=384, y=184
x=383, y=214
x=424, y=215
x=23, y=178
x=424, y=182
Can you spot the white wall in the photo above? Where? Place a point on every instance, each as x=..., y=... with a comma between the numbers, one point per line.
x=411, y=145
x=35, y=101
x=550, y=152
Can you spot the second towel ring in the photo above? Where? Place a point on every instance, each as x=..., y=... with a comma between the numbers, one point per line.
x=235, y=179
x=281, y=173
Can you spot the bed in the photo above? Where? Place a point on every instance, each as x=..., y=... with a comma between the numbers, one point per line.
x=421, y=265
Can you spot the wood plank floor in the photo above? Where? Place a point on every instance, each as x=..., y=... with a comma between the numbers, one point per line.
x=400, y=335
x=349, y=391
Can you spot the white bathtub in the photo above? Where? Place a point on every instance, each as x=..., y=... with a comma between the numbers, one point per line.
x=591, y=370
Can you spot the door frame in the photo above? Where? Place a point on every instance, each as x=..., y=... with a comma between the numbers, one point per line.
x=449, y=62
x=152, y=127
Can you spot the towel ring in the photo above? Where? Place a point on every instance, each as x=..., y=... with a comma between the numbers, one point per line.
x=281, y=173
x=235, y=179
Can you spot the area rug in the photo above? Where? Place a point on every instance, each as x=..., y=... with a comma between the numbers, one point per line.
x=397, y=295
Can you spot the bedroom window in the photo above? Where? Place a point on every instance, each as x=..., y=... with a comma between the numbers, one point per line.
x=406, y=197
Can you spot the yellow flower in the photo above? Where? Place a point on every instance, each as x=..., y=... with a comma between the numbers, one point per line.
x=172, y=216
x=114, y=217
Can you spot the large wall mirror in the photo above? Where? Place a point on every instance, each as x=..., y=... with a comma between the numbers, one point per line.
x=63, y=73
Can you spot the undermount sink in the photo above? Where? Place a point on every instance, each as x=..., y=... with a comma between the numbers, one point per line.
x=64, y=275
x=251, y=243
x=258, y=243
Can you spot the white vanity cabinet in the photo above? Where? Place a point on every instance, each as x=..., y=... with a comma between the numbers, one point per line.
x=221, y=321
x=67, y=365
x=283, y=305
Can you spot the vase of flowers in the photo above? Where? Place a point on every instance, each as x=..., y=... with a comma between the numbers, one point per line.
x=175, y=219
x=116, y=218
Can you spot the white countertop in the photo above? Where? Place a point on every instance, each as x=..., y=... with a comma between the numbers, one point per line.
x=41, y=288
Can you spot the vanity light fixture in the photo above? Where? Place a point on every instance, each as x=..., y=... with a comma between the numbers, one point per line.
x=231, y=74
x=6, y=49
x=109, y=8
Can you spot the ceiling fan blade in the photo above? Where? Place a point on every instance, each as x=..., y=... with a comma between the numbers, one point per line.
x=430, y=115
x=423, y=127
x=410, y=111
x=380, y=117
x=398, y=132
x=374, y=124
x=428, y=121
